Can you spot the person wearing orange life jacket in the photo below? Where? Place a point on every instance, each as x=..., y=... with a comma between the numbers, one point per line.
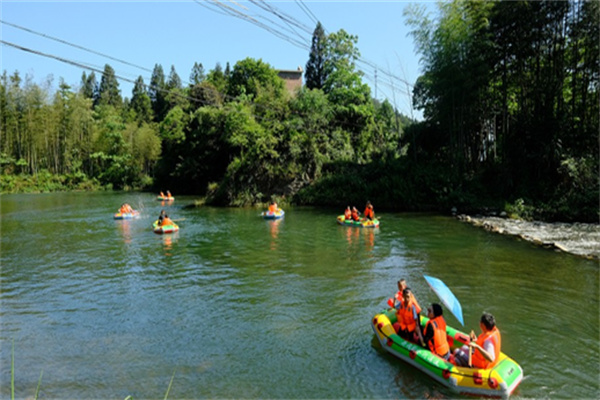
x=348, y=213
x=355, y=214
x=273, y=207
x=125, y=209
x=486, y=347
x=434, y=333
x=408, y=324
x=166, y=221
x=397, y=299
x=162, y=195
x=169, y=196
x=369, y=213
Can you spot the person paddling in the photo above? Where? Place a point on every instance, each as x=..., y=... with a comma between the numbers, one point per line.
x=485, y=348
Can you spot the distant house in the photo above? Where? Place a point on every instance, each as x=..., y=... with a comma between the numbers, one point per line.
x=292, y=78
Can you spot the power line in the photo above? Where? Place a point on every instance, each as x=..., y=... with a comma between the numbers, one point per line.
x=307, y=11
x=271, y=9
x=74, y=45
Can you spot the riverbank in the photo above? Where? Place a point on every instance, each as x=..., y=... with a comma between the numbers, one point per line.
x=577, y=238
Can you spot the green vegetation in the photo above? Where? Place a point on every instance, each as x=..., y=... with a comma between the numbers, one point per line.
x=509, y=93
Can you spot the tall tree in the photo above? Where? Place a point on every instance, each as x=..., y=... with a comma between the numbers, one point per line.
x=157, y=92
x=108, y=91
x=140, y=102
x=89, y=85
x=315, y=67
x=175, y=95
x=218, y=78
x=197, y=74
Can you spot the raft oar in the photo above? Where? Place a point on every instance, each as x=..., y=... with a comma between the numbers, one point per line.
x=177, y=220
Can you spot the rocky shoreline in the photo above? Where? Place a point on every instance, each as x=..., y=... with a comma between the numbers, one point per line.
x=579, y=239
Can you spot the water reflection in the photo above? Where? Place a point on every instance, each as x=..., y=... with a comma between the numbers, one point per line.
x=124, y=226
x=168, y=240
x=274, y=231
x=354, y=236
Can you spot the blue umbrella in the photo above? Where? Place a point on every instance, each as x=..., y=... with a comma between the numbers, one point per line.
x=446, y=296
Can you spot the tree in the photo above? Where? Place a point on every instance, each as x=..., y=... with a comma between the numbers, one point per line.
x=108, y=91
x=140, y=102
x=218, y=78
x=157, y=92
x=89, y=86
x=251, y=76
x=197, y=74
x=204, y=94
x=315, y=67
x=175, y=95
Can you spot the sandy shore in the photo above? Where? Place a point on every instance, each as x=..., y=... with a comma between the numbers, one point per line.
x=578, y=238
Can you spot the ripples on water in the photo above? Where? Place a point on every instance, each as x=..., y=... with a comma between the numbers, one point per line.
x=239, y=307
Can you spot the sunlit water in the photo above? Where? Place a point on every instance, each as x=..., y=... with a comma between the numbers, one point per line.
x=233, y=306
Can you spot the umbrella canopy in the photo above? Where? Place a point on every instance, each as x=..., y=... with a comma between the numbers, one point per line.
x=446, y=296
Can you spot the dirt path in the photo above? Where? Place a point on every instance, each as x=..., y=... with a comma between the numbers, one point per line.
x=579, y=239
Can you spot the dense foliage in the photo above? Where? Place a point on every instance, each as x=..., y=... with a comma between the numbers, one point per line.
x=509, y=92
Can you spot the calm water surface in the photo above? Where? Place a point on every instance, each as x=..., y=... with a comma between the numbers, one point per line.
x=234, y=306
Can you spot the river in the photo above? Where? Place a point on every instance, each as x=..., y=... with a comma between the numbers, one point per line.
x=233, y=306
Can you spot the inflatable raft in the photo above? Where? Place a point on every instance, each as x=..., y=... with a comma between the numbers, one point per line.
x=134, y=214
x=273, y=215
x=165, y=198
x=165, y=228
x=360, y=224
x=497, y=382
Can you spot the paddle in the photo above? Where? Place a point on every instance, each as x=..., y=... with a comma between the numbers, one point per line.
x=418, y=327
x=471, y=335
x=177, y=220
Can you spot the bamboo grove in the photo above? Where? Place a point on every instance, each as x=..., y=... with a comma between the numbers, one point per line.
x=509, y=93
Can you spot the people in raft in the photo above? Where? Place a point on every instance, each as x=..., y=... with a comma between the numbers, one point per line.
x=164, y=220
x=398, y=297
x=408, y=320
x=347, y=213
x=355, y=214
x=125, y=209
x=169, y=194
x=434, y=334
x=161, y=216
x=485, y=347
x=273, y=207
x=369, y=212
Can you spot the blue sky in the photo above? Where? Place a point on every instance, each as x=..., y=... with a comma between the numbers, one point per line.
x=180, y=33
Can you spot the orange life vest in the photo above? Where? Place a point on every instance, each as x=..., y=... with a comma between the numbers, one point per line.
x=405, y=315
x=400, y=299
x=166, y=221
x=355, y=215
x=439, y=342
x=479, y=360
x=272, y=208
x=347, y=214
x=369, y=212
